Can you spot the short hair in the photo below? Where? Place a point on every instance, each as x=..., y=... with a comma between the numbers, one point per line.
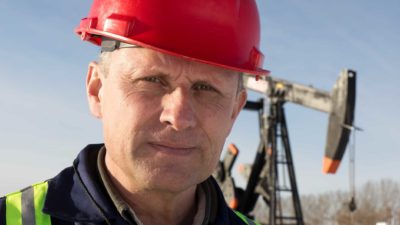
x=240, y=86
x=104, y=63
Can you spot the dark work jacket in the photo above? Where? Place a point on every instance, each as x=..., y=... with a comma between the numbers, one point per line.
x=77, y=196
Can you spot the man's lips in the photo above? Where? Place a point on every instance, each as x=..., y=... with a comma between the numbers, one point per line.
x=174, y=149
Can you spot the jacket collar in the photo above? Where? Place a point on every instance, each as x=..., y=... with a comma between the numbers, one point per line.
x=77, y=193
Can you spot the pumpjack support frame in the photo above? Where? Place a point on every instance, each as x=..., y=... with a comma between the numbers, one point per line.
x=264, y=175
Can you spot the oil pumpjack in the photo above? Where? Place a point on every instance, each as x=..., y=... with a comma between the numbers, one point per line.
x=264, y=174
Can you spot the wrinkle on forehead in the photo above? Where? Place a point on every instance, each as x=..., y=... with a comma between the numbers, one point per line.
x=129, y=60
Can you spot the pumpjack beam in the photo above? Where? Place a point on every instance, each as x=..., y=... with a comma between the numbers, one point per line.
x=339, y=104
x=300, y=94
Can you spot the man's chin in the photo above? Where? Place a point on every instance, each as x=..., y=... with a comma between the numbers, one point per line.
x=173, y=183
x=172, y=187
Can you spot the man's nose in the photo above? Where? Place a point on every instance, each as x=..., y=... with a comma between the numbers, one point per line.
x=178, y=111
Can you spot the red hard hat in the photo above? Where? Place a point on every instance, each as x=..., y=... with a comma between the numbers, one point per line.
x=224, y=33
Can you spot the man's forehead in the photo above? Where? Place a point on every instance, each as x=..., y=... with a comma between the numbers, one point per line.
x=132, y=59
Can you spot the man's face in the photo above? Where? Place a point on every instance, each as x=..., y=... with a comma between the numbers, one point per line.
x=165, y=119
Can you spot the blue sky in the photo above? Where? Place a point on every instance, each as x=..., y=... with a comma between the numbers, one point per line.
x=45, y=121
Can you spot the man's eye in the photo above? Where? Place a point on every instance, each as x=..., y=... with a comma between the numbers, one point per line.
x=152, y=79
x=204, y=87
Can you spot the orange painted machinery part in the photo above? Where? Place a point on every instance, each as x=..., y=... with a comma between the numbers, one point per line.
x=233, y=149
x=330, y=165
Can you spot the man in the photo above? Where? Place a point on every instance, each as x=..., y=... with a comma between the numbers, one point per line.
x=167, y=88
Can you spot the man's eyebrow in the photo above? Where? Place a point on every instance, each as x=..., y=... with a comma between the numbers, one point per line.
x=163, y=76
x=214, y=80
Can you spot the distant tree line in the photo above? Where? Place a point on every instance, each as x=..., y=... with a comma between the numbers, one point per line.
x=377, y=201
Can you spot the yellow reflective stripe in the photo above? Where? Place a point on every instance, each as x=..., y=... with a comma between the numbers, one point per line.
x=245, y=219
x=39, y=193
x=13, y=209
x=22, y=201
x=241, y=216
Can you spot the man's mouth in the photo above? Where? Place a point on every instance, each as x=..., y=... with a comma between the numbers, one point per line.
x=174, y=149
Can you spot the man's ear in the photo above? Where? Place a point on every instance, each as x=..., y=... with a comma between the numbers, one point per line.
x=241, y=99
x=94, y=89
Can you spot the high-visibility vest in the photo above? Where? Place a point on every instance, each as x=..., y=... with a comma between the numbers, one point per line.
x=25, y=207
